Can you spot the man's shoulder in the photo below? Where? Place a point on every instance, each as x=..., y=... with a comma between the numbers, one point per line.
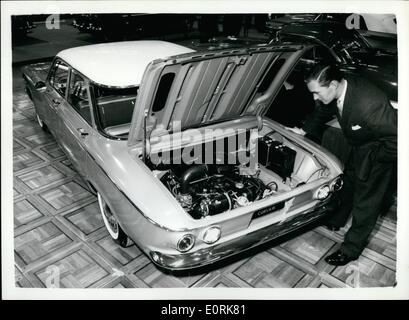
x=358, y=80
x=363, y=87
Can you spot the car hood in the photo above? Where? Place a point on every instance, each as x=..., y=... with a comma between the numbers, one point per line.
x=201, y=88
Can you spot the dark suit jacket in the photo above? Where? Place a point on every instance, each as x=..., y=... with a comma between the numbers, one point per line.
x=368, y=122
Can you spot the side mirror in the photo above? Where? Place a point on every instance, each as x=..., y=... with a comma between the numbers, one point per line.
x=40, y=86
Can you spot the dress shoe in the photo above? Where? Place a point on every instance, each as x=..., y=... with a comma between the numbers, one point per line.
x=338, y=258
x=331, y=227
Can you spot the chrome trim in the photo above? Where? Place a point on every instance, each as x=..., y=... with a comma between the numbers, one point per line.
x=224, y=250
x=189, y=236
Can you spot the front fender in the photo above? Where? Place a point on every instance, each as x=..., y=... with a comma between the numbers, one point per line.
x=117, y=175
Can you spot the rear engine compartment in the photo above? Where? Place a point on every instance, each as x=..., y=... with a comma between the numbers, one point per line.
x=210, y=189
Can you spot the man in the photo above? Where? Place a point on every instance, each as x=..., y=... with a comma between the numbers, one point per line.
x=369, y=125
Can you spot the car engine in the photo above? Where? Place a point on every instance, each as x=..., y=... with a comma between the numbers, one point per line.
x=204, y=190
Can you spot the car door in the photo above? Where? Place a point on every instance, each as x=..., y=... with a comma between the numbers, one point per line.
x=74, y=121
x=55, y=94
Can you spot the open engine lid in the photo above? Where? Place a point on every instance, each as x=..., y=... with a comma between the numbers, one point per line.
x=201, y=88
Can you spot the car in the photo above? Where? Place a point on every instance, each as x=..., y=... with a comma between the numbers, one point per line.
x=21, y=26
x=175, y=145
x=275, y=23
x=349, y=50
x=382, y=23
x=131, y=26
x=379, y=30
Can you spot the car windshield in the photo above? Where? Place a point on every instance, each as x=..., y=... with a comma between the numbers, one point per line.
x=114, y=109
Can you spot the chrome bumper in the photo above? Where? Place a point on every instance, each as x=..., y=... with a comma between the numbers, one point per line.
x=218, y=252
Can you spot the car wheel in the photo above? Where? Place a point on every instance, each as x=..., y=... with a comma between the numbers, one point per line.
x=112, y=225
x=41, y=123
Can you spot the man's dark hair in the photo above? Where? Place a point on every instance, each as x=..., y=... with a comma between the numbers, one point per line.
x=324, y=74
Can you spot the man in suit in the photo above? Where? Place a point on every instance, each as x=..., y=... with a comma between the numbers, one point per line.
x=369, y=126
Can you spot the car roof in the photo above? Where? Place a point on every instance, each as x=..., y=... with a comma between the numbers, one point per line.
x=314, y=27
x=119, y=64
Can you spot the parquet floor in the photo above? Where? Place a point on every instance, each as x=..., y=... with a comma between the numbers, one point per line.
x=57, y=227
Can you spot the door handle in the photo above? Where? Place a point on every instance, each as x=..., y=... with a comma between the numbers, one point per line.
x=56, y=102
x=82, y=132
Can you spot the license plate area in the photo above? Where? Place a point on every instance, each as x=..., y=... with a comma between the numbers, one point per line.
x=268, y=210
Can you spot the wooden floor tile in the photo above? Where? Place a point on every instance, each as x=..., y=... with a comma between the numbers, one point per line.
x=25, y=128
x=157, y=279
x=77, y=270
x=25, y=212
x=365, y=273
x=17, y=146
x=65, y=195
x=39, y=242
x=25, y=160
x=53, y=151
x=266, y=270
x=122, y=255
x=41, y=177
x=20, y=280
x=310, y=246
x=87, y=219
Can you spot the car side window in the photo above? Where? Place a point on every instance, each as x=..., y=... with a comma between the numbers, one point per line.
x=59, y=77
x=78, y=95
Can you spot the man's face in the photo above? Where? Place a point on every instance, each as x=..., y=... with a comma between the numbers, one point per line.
x=323, y=93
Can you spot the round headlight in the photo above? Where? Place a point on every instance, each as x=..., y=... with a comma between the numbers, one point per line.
x=337, y=184
x=322, y=193
x=212, y=234
x=186, y=243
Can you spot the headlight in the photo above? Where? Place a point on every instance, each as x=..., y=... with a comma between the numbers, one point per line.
x=186, y=243
x=322, y=193
x=212, y=234
x=337, y=184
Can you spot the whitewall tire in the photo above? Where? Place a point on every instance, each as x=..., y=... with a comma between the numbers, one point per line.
x=112, y=225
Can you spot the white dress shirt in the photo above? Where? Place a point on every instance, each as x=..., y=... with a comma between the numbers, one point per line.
x=340, y=100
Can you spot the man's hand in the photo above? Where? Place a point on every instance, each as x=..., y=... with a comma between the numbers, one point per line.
x=297, y=130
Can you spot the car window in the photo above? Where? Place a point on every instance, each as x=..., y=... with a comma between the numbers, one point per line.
x=293, y=102
x=78, y=96
x=114, y=109
x=59, y=77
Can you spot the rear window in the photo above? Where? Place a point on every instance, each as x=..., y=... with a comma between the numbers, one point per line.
x=114, y=109
x=163, y=91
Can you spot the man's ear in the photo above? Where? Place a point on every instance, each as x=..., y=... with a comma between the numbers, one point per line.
x=334, y=83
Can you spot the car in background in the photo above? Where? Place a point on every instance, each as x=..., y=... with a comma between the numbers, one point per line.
x=21, y=26
x=382, y=23
x=175, y=145
x=130, y=26
x=276, y=22
x=379, y=30
x=348, y=49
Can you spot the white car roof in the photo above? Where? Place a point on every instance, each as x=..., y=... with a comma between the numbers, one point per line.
x=119, y=64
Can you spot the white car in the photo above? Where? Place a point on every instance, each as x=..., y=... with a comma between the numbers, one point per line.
x=175, y=146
